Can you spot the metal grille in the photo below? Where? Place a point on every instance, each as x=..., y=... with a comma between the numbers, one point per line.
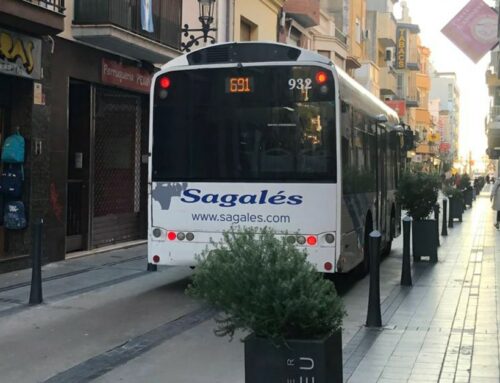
x=117, y=148
x=53, y=5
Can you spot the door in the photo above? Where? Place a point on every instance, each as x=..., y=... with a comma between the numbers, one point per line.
x=116, y=201
x=77, y=222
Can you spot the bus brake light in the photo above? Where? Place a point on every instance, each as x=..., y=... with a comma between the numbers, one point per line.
x=165, y=83
x=312, y=240
x=171, y=235
x=321, y=77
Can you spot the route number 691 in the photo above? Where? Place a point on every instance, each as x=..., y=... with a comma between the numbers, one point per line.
x=300, y=83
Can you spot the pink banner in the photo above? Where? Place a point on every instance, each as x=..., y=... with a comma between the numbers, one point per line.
x=474, y=29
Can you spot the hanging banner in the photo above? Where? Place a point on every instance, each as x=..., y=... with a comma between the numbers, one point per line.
x=20, y=55
x=474, y=29
x=401, y=44
x=147, y=15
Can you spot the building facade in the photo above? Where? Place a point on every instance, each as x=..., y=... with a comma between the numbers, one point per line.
x=83, y=111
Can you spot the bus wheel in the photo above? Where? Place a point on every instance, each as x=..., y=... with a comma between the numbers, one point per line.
x=392, y=229
x=364, y=267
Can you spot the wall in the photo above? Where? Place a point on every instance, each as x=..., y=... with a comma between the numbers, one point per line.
x=264, y=14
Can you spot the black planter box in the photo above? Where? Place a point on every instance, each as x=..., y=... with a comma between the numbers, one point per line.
x=424, y=240
x=468, y=197
x=456, y=209
x=315, y=360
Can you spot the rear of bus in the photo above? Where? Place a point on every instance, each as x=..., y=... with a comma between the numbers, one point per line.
x=243, y=144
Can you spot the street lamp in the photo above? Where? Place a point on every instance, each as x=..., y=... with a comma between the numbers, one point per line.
x=206, y=18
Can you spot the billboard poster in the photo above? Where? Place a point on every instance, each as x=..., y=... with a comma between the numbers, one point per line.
x=474, y=29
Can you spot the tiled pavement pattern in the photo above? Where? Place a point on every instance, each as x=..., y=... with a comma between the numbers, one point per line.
x=444, y=328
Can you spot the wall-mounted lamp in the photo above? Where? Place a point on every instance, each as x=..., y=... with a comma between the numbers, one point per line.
x=206, y=18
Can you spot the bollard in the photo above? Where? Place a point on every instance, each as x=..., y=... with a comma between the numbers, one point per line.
x=374, y=317
x=36, y=257
x=152, y=267
x=406, y=270
x=436, y=217
x=444, y=229
x=450, y=214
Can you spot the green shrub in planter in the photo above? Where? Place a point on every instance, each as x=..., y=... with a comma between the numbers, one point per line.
x=417, y=193
x=265, y=285
x=456, y=198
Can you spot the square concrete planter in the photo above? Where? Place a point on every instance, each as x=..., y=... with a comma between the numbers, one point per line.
x=315, y=360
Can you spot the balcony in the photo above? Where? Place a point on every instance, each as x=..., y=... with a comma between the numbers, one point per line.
x=37, y=17
x=368, y=76
x=423, y=117
x=116, y=25
x=386, y=29
x=305, y=12
x=388, y=81
x=423, y=81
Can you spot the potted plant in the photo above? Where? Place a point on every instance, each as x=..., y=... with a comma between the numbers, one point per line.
x=456, y=198
x=264, y=285
x=417, y=193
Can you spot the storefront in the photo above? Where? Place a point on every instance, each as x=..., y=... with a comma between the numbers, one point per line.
x=106, y=130
x=21, y=106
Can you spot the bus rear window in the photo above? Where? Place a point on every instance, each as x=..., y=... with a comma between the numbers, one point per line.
x=249, y=124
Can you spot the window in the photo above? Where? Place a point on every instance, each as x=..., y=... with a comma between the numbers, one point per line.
x=248, y=30
x=358, y=31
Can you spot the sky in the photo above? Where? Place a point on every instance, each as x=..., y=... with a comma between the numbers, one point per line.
x=432, y=16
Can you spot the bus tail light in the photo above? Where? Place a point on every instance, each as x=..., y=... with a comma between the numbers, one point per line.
x=328, y=266
x=312, y=240
x=171, y=235
x=189, y=236
x=181, y=236
x=156, y=258
x=156, y=232
x=301, y=239
x=165, y=82
x=329, y=238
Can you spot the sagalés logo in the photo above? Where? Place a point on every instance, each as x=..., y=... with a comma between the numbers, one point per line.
x=230, y=200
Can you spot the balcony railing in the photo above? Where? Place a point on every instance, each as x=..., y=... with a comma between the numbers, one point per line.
x=340, y=36
x=52, y=5
x=127, y=15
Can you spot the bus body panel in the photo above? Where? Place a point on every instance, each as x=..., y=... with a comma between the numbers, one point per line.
x=207, y=209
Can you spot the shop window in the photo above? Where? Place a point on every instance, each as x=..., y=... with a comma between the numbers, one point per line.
x=248, y=30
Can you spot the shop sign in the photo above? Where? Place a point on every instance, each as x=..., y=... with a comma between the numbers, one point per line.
x=444, y=147
x=398, y=105
x=128, y=77
x=401, y=43
x=20, y=55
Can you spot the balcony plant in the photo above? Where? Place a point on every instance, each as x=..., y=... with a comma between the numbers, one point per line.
x=417, y=193
x=264, y=285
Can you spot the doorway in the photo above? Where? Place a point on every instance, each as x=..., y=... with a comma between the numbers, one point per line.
x=77, y=218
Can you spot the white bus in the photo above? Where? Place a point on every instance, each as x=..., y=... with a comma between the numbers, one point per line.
x=264, y=134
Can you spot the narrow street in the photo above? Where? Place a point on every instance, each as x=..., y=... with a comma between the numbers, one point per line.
x=105, y=319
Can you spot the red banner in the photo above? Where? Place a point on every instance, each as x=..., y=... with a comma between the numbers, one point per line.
x=398, y=105
x=128, y=77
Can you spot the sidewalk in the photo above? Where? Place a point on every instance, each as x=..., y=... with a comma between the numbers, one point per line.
x=443, y=329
